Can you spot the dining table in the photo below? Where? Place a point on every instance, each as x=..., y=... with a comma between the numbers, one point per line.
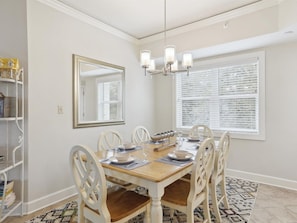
x=154, y=170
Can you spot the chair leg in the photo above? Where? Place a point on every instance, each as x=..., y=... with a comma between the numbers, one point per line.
x=81, y=205
x=206, y=211
x=190, y=214
x=224, y=194
x=215, y=203
x=171, y=213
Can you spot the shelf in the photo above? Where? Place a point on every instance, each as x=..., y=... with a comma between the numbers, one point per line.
x=12, y=140
x=8, y=80
x=11, y=119
x=11, y=209
x=15, y=159
x=6, y=166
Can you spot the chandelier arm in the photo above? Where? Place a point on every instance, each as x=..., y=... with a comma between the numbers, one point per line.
x=153, y=72
x=170, y=66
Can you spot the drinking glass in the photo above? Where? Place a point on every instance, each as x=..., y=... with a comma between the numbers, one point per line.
x=143, y=155
x=180, y=139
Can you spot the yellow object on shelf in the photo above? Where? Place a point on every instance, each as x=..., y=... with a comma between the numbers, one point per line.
x=9, y=63
x=9, y=68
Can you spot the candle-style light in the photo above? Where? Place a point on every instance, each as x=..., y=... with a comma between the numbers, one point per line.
x=171, y=64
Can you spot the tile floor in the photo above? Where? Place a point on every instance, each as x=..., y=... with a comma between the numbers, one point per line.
x=273, y=205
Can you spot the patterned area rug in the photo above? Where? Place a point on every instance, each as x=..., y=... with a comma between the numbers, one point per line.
x=241, y=197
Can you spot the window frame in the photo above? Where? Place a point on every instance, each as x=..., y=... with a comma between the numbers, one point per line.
x=230, y=60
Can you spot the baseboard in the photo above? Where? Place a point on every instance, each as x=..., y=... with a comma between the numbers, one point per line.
x=48, y=200
x=274, y=181
x=53, y=198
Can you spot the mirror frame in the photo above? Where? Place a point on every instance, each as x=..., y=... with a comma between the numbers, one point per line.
x=76, y=61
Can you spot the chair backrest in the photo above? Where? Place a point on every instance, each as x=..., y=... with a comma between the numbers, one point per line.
x=90, y=182
x=140, y=134
x=201, y=131
x=201, y=170
x=222, y=153
x=109, y=140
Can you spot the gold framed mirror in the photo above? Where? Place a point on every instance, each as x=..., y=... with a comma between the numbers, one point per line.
x=98, y=93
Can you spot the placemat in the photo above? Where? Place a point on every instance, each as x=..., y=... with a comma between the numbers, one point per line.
x=168, y=160
x=137, y=163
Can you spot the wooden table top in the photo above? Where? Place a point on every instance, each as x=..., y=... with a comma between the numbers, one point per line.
x=154, y=171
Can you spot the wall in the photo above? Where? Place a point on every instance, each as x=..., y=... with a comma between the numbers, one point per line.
x=273, y=160
x=52, y=39
x=211, y=34
x=274, y=157
x=13, y=38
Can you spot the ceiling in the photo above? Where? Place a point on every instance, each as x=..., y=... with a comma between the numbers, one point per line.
x=144, y=18
x=142, y=21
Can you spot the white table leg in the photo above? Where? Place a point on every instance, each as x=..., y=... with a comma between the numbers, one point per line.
x=156, y=208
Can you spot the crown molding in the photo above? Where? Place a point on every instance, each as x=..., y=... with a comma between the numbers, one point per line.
x=87, y=19
x=213, y=20
x=263, y=4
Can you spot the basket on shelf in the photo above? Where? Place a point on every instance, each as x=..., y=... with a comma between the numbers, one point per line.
x=9, y=68
x=8, y=106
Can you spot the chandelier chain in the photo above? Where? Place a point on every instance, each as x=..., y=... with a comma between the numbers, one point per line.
x=165, y=21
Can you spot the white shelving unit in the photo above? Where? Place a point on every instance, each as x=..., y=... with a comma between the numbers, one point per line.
x=12, y=145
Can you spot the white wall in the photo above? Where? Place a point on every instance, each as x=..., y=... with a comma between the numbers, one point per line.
x=52, y=39
x=274, y=160
x=276, y=156
x=210, y=34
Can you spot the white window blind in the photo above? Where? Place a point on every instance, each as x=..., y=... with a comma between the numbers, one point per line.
x=223, y=96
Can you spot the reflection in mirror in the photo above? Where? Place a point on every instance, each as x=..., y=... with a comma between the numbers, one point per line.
x=98, y=93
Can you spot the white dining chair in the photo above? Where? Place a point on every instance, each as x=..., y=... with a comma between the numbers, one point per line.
x=218, y=177
x=185, y=196
x=108, y=140
x=96, y=202
x=140, y=134
x=201, y=131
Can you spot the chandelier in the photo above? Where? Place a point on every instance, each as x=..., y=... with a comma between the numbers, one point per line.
x=170, y=61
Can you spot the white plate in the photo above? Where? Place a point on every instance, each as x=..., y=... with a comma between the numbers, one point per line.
x=130, y=148
x=193, y=139
x=173, y=156
x=115, y=161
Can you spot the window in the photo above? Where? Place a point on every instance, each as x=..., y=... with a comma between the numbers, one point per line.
x=224, y=94
x=109, y=94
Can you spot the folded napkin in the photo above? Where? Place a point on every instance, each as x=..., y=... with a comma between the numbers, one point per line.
x=168, y=160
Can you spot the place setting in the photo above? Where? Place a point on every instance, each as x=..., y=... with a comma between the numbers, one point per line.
x=128, y=147
x=123, y=159
x=193, y=139
x=177, y=157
